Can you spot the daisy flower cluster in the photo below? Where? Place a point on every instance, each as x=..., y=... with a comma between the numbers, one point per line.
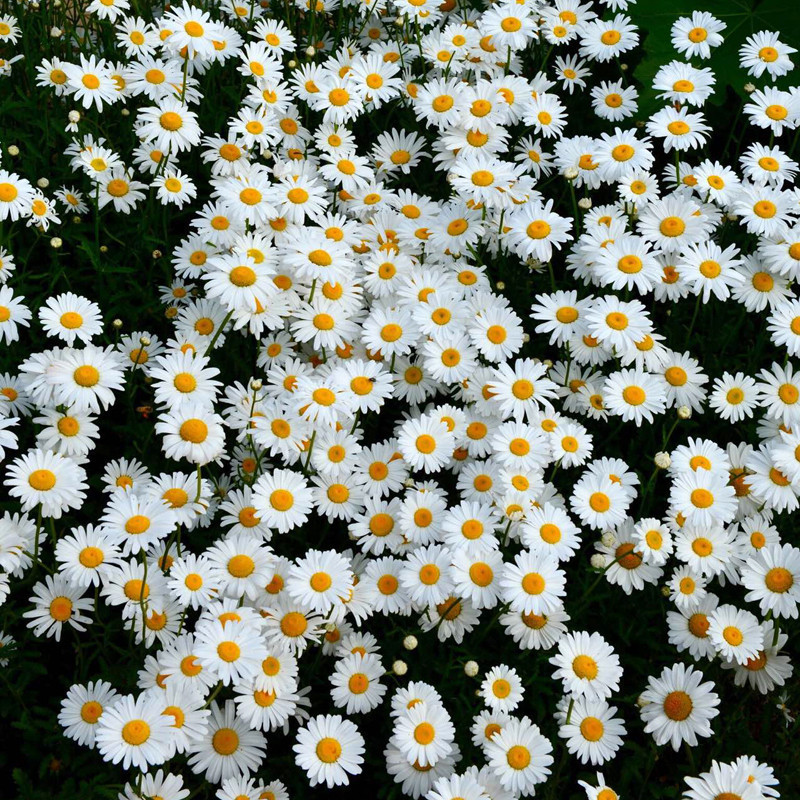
x=422, y=370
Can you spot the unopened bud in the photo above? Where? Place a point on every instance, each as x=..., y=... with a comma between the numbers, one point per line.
x=570, y=173
x=56, y=242
x=598, y=561
x=471, y=669
x=662, y=460
x=13, y=150
x=410, y=643
x=117, y=323
x=684, y=412
x=310, y=51
x=585, y=203
x=399, y=668
x=749, y=88
x=256, y=384
x=74, y=115
x=144, y=341
x=43, y=183
x=608, y=539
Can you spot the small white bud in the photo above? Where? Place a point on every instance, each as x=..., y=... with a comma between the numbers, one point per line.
x=144, y=341
x=662, y=460
x=641, y=702
x=608, y=539
x=570, y=173
x=598, y=561
x=56, y=242
x=399, y=668
x=471, y=669
x=13, y=150
x=665, y=592
x=292, y=64
x=526, y=337
x=310, y=50
x=500, y=285
x=43, y=183
x=410, y=643
x=684, y=412
x=585, y=203
x=125, y=112
x=56, y=32
x=256, y=384
x=117, y=323
x=749, y=88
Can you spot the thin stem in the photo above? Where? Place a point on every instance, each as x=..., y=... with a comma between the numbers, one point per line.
x=219, y=332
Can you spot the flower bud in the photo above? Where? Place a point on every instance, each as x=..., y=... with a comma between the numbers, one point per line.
x=399, y=668
x=608, y=539
x=471, y=669
x=598, y=561
x=410, y=642
x=684, y=412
